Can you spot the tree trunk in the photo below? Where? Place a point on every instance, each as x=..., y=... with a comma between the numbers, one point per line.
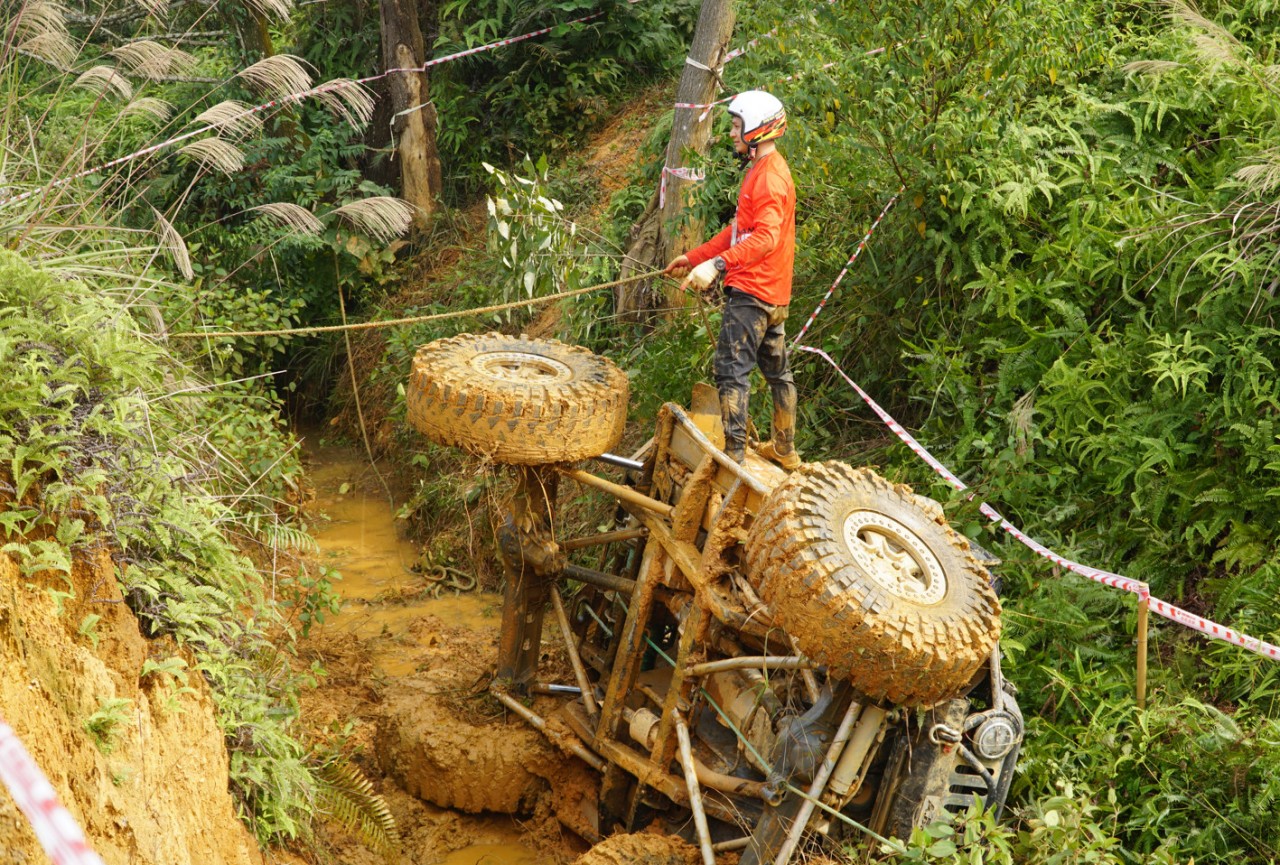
x=654, y=239
x=255, y=34
x=414, y=130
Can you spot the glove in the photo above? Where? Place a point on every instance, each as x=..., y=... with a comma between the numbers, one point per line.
x=702, y=275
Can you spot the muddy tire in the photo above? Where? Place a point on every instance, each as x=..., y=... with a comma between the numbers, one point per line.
x=448, y=761
x=517, y=400
x=641, y=850
x=873, y=584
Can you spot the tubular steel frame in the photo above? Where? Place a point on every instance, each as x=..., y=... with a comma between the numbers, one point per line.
x=672, y=508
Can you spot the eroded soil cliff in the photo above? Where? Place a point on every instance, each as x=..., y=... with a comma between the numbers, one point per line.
x=138, y=760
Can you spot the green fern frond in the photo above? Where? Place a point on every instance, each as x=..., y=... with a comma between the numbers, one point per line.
x=345, y=796
x=281, y=536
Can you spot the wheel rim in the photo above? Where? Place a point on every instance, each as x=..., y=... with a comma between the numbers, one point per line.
x=893, y=556
x=522, y=367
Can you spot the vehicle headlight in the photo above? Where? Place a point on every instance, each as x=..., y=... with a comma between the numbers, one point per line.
x=995, y=737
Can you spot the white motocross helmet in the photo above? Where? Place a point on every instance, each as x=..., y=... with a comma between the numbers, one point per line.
x=762, y=115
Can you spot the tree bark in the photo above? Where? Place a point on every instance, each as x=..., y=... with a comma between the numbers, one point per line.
x=254, y=32
x=414, y=124
x=654, y=238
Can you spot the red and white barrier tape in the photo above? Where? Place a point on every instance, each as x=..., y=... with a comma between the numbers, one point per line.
x=1107, y=578
x=480, y=48
x=55, y=828
x=1214, y=630
x=856, y=252
x=707, y=106
x=704, y=104
x=294, y=97
x=693, y=175
x=1104, y=577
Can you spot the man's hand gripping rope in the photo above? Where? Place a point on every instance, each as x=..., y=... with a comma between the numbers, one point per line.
x=699, y=278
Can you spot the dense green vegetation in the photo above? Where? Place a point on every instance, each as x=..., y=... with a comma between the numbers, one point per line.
x=109, y=443
x=1073, y=303
x=173, y=453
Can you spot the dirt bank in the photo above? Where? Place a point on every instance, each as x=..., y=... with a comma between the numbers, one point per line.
x=137, y=760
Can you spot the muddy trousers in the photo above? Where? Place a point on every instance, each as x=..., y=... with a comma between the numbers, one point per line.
x=752, y=334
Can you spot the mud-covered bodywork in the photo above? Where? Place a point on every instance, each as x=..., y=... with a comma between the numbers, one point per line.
x=761, y=662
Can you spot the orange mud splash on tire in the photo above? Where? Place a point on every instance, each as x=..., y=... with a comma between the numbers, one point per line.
x=871, y=581
x=517, y=400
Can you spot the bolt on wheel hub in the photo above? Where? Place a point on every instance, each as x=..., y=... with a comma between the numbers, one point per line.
x=892, y=555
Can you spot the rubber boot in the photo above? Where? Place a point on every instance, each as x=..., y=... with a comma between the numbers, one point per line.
x=789, y=460
x=781, y=449
x=733, y=413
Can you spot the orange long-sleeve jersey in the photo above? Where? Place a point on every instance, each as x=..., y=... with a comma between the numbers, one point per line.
x=759, y=246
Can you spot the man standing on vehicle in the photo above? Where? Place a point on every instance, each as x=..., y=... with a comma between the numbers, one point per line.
x=754, y=254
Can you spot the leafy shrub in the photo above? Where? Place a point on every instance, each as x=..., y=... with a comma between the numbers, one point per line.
x=86, y=396
x=105, y=722
x=1066, y=829
x=538, y=96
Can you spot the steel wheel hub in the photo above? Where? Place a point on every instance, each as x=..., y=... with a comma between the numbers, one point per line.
x=521, y=366
x=892, y=555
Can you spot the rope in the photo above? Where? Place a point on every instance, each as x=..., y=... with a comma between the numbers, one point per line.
x=417, y=319
x=856, y=252
x=355, y=389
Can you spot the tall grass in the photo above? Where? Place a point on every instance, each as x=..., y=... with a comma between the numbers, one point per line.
x=191, y=479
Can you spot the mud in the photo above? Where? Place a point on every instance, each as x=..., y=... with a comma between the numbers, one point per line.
x=642, y=849
x=405, y=695
x=491, y=854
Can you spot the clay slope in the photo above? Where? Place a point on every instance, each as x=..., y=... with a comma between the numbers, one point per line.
x=160, y=794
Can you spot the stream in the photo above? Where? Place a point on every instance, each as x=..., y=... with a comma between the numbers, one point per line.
x=383, y=596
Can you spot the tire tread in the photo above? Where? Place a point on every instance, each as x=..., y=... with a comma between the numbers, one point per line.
x=891, y=648
x=516, y=422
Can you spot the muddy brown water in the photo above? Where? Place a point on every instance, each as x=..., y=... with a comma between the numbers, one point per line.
x=383, y=596
x=491, y=854
x=361, y=541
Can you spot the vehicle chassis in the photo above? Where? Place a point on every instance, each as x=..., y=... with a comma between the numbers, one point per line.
x=678, y=664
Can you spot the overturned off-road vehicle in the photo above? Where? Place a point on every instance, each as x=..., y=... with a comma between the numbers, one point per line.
x=762, y=660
